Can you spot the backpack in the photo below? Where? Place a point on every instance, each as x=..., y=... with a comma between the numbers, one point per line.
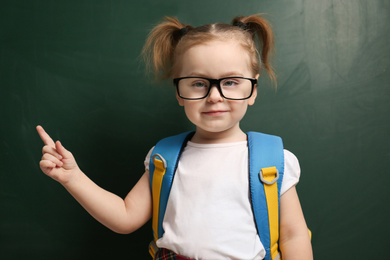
x=266, y=168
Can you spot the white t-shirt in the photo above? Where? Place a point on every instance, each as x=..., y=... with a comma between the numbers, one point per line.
x=209, y=213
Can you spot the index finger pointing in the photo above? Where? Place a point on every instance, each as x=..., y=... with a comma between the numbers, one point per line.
x=45, y=137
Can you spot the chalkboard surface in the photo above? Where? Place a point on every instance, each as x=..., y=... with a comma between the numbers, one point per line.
x=74, y=67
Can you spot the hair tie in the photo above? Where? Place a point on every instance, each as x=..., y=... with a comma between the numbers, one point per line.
x=241, y=25
x=183, y=31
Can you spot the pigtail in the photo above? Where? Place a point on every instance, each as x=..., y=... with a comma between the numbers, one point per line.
x=259, y=26
x=160, y=45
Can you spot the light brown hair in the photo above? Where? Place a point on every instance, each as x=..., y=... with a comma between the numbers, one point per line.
x=169, y=39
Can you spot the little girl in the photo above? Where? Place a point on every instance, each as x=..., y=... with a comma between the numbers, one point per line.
x=215, y=69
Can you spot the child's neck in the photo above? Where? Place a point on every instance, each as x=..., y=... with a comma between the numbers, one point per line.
x=204, y=137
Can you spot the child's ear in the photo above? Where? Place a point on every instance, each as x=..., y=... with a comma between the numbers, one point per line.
x=252, y=99
x=180, y=100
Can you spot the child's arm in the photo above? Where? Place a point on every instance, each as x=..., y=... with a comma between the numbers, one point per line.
x=294, y=235
x=121, y=216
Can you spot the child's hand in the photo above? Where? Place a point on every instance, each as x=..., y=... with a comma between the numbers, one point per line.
x=57, y=162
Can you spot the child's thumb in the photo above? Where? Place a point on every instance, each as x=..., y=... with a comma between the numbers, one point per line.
x=62, y=151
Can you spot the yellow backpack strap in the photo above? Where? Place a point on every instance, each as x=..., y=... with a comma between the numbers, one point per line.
x=160, y=167
x=269, y=176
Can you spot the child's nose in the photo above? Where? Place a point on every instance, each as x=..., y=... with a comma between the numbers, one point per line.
x=214, y=95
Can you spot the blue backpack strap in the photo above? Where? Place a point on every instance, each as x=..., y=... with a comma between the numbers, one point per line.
x=264, y=151
x=169, y=149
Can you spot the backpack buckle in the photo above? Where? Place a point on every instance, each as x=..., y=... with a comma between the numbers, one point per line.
x=161, y=159
x=153, y=249
x=266, y=174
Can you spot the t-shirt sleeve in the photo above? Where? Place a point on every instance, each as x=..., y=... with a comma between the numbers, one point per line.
x=292, y=171
x=147, y=159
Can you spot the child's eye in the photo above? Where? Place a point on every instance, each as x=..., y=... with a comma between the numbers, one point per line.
x=230, y=83
x=199, y=84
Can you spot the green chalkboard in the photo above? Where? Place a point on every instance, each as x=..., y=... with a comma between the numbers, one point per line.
x=75, y=68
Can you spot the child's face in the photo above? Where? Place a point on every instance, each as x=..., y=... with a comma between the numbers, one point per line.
x=216, y=59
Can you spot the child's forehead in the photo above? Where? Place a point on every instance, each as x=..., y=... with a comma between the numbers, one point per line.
x=215, y=58
x=217, y=47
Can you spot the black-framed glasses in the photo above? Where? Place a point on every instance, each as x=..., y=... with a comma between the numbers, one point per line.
x=233, y=88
